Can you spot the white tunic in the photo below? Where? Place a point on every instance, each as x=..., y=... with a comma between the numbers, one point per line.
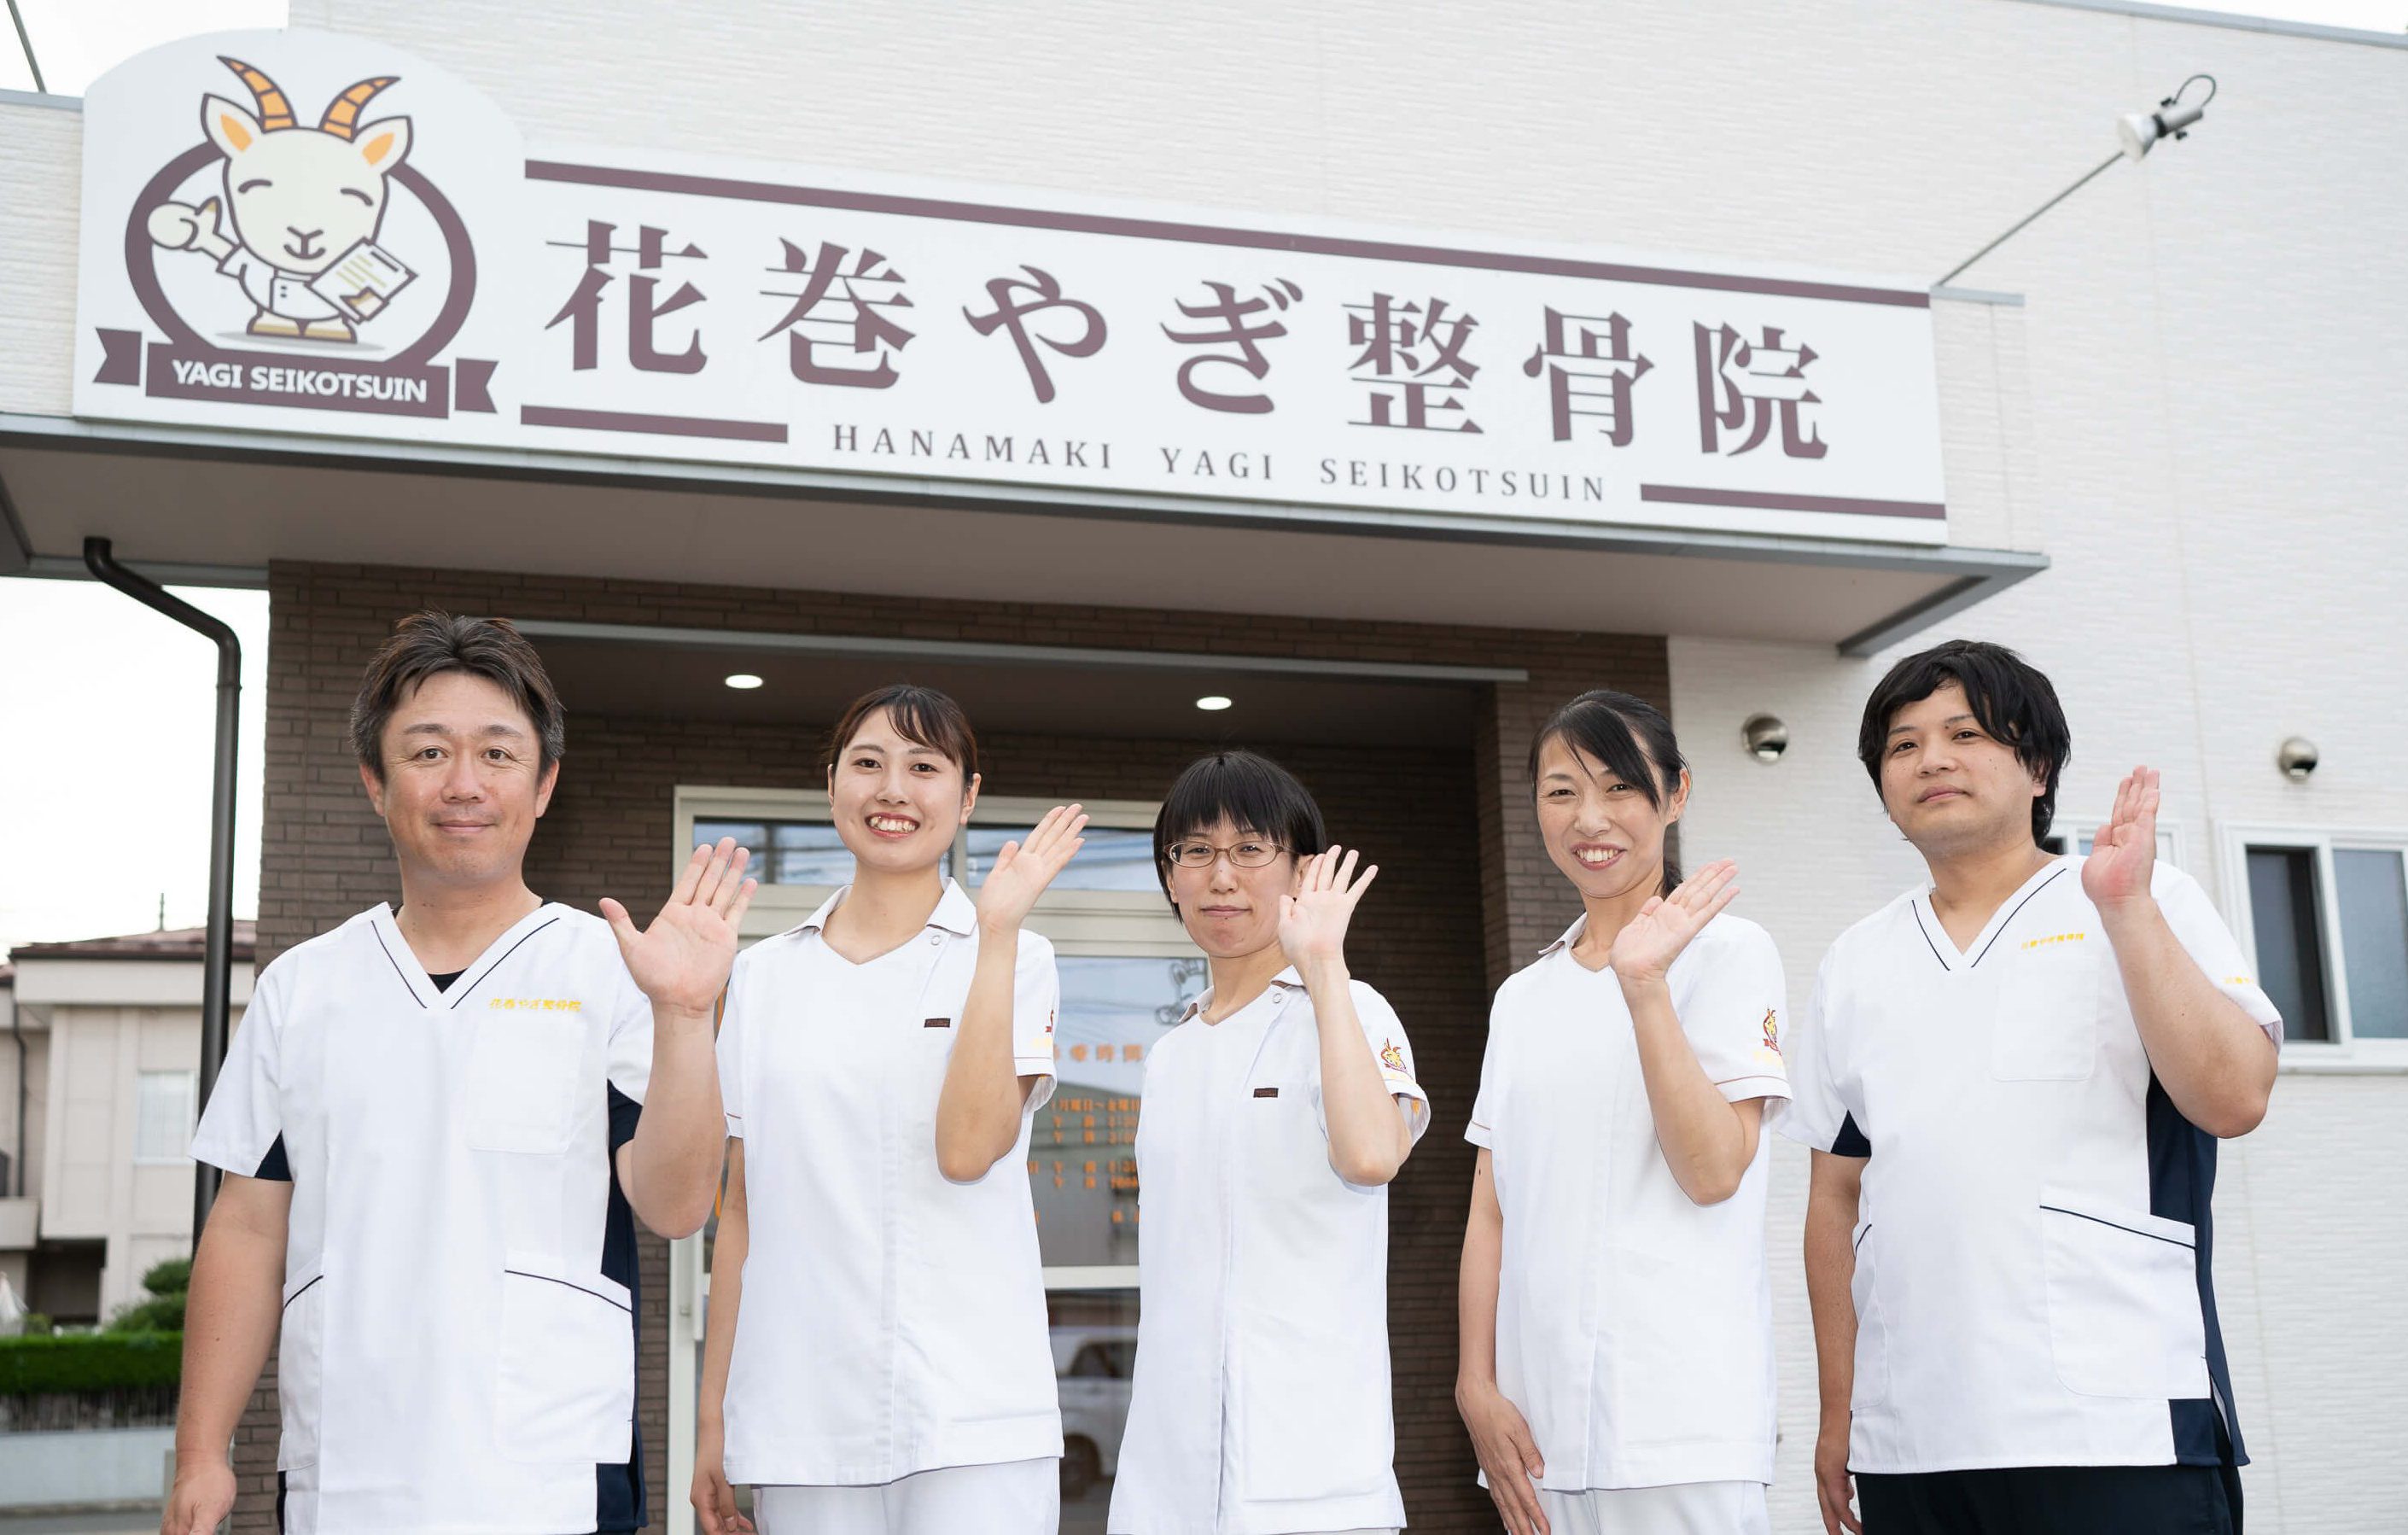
x=893, y=1321
x=1634, y=1327
x=2032, y=1250
x=1261, y=1400
x=458, y=1343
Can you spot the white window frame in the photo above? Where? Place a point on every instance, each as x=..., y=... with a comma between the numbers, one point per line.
x=2344, y=1051
x=180, y=1156
x=2172, y=847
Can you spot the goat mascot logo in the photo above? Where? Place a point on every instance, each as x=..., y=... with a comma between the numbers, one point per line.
x=306, y=205
x=310, y=248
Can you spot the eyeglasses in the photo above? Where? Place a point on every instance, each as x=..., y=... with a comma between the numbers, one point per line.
x=1242, y=854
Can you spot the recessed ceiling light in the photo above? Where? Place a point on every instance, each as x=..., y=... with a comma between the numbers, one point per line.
x=1212, y=701
x=744, y=680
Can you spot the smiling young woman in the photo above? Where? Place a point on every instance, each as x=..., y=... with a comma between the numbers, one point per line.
x=1627, y=1074
x=887, y=1372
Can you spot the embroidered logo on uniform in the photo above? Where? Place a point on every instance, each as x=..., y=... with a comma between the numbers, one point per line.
x=1266, y=1092
x=936, y=1023
x=1049, y=1021
x=1393, y=1058
x=537, y=1004
x=1772, y=1032
x=2054, y=938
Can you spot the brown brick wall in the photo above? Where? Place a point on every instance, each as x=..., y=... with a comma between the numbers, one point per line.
x=1466, y=893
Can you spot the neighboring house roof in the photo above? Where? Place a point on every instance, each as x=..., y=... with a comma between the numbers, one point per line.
x=184, y=944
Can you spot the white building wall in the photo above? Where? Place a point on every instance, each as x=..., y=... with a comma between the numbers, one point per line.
x=2210, y=493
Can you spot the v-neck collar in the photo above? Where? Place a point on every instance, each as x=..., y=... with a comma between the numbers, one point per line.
x=413, y=975
x=1943, y=948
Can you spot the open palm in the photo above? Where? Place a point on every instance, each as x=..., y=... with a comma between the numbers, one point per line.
x=1650, y=941
x=2123, y=855
x=682, y=959
x=1024, y=869
x=1312, y=922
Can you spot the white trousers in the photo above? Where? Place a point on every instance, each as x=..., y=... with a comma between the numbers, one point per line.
x=1689, y=1508
x=1015, y=1497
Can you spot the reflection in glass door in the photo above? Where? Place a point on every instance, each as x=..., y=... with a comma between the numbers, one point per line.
x=1082, y=1168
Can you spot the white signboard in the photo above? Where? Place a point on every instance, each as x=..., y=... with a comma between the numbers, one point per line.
x=302, y=233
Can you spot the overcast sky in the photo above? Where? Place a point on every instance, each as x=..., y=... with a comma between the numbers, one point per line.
x=104, y=804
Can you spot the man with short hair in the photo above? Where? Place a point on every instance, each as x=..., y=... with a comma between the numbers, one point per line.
x=438, y=1124
x=2013, y=1081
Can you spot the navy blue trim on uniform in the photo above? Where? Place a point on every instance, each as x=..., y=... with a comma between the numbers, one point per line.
x=1914, y=909
x=399, y=974
x=275, y=1167
x=2011, y=916
x=299, y=1293
x=619, y=1490
x=279, y=1503
x=2182, y=1184
x=2115, y=1224
x=506, y=954
x=1851, y=1140
x=549, y=1279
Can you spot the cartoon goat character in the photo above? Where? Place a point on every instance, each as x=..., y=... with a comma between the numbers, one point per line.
x=302, y=198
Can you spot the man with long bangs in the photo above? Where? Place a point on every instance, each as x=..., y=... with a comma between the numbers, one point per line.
x=2013, y=1079
x=438, y=1123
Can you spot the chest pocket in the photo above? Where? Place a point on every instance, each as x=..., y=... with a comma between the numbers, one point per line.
x=524, y=1069
x=2045, y=1019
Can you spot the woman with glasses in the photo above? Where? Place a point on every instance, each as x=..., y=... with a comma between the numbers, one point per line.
x=1276, y=1113
x=1616, y=1344
x=876, y=1360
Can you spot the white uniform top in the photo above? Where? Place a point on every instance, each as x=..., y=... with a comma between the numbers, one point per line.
x=2033, y=1254
x=1634, y=1327
x=1261, y=1400
x=893, y=1321
x=458, y=1346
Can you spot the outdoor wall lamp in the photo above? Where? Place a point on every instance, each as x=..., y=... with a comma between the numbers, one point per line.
x=1765, y=738
x=2138, y=132
x=2297, y=757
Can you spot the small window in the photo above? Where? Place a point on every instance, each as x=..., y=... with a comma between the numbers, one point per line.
x=2290, y=957
x=2371, y=890
x=2327, y=915
x=163, y=1117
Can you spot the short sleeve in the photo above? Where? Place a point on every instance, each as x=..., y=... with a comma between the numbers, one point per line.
x=242, y=1125
x=1481, y=1131
x=1730, y=1004
x=1816, y=1115
x=1035, y=997
x=1384, y=1033
x=2212, y=947
x=730, y=1049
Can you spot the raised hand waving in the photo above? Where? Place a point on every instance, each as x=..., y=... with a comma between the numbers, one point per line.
x=682, y=959
x=2123, y=855
x=1650, y=941
x=1024, y=869
x=1312, y=922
